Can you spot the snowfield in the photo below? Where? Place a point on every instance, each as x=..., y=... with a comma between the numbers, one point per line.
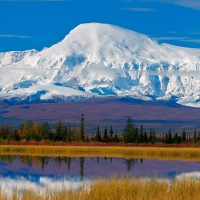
x=100, y=60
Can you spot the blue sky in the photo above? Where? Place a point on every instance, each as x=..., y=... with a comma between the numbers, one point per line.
x=37, y=24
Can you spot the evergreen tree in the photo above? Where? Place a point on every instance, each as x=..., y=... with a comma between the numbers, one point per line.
x=6, y=131
x=175, y=139
x=82, y=134
x=46, y=131
x=141, y=136
x=111, y=131
x=198, y=137
x=179, y=139
x=135, y=135
x=68, y=133
x=166, y=138
x=195, y=135
x=105, y=136
x=152, y=136
x=169, y=136
x=17, y=138
x=98, y=135
x=74, y=134
x=128, y=131
x=30, y=134
x=145, y=137
x=183, y=136
x=111, y=134
x=58, y=134
x=116, y=138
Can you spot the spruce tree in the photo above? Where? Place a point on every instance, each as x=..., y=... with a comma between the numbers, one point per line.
x=17, y=138
x=175, y=139
x=82, y=134
x=98, y=135
x=183, y=136
x=69, y=134
x=128, y=131
x=111, y=132
x=74, y=134
x=152, y=136
x=169, y=136
x=198, y=137
x=145, y=137
x=105, y=136
x=179, y=139
x=116, y=138
x=195, y=135
x=58, y=133
x=46, y=131
x=135, y=136
x=141, y=136
x=166, y=138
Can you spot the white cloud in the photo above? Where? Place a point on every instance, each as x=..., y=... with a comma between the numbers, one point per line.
x=182, y=39
x=192, y=40
x=14, y=36
x=195, y=33
x=194, y=4
x=171, y=38
x=37, y=0
x=138, y=9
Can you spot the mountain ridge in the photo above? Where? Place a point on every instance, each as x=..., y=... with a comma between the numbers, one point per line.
x=102, y=60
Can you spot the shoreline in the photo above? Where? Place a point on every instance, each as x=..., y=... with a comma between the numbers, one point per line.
x=98, y=144
x=161, y=153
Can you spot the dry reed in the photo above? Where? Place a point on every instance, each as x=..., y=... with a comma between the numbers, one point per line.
x=192, y=154
x=122, y=189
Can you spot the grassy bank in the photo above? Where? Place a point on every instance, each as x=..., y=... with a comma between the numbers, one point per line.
x=122, y=189
x=113, y=151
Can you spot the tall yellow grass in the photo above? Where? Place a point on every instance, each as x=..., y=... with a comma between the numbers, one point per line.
x=120, y=189
x=89, y=151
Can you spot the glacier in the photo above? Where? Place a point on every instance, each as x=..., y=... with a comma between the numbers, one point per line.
x=97, y=60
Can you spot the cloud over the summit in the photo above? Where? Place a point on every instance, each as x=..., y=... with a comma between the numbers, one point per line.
x=194, y=4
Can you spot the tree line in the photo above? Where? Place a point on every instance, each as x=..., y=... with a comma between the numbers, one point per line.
x=37, y=131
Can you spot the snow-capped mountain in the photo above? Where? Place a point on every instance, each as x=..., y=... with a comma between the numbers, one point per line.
x=100, y=60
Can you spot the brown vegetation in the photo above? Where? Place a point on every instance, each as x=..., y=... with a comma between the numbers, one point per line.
x=192, y=154
x=122, y=189
x=106, y=111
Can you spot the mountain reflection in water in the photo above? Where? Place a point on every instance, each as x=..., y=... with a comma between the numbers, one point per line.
x=73, y=172
x=44, y=162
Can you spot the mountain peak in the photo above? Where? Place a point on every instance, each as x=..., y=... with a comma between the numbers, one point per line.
x=102, y=59
x=99, y=29
x=105, y=40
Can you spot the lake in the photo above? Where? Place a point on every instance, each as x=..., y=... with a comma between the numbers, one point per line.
x=73, y=172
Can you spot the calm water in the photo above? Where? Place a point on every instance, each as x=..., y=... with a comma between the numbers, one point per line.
x=40, y=172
